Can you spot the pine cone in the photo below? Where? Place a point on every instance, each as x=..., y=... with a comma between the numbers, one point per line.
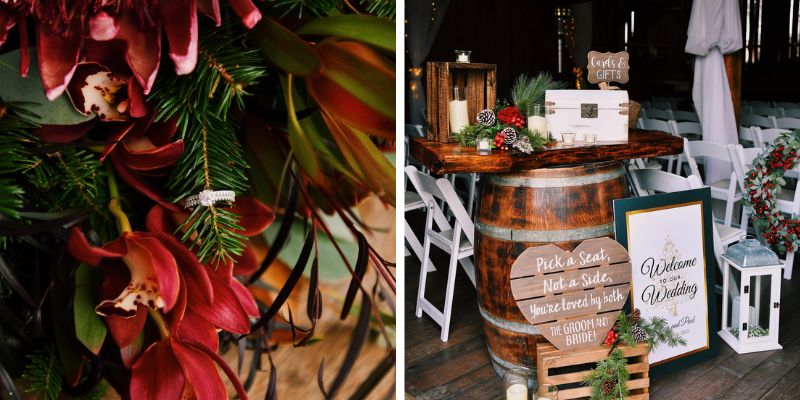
x=607, y=387
x=635, y=316
x=487, y=117
x=510, y=136
x=639, y=334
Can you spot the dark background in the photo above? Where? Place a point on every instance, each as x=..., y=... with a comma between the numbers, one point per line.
x=521, y=36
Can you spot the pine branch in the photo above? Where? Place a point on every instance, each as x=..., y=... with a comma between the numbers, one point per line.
x=44, y=373
x=319, y=8
x=658, y=332
x=528, y=91
x=381, y=8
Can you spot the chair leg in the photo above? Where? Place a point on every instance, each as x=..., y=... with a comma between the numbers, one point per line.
x=728, y=211
x=423, y=274
x=448, y=299
x=787, y=267
x=471, y=202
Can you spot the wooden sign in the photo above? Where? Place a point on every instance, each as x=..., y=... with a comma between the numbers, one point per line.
x=608, y=67
x=573, y=298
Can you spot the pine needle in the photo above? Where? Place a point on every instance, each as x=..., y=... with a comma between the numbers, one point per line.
x=528, y=91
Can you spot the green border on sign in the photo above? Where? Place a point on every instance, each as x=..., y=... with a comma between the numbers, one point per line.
x=637, y=205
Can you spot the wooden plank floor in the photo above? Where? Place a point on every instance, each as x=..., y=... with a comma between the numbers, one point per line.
x=461, y=368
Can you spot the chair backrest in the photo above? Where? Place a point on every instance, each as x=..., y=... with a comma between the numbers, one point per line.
x=742, y=159
x=765, y=136
x=757, y=103
x=457, y=208
x=687, y=128
x=746, y=136
x=754, y=120
x=690, y=116
x=693, y=149
x=787, y=123
x=785, y=105
x=657, y=113
x=646, y=181
x=661, y=103
x=792, y=112
x=767, y=111
x=426, y=187
x=656, y=125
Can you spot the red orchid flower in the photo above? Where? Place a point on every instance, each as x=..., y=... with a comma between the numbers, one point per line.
x=254, y=218
x=61, y=27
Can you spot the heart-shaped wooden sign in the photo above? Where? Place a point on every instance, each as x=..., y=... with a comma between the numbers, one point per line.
x=573, y=298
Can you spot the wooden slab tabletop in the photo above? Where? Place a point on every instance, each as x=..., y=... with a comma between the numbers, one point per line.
x=446, y=158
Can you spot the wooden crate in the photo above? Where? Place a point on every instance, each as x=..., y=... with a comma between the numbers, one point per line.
x=562, y=368
x=481, y=86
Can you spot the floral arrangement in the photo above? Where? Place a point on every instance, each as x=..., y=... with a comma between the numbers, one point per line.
x=763, y=184
x=149, y=149
x=609, y=379
x=505, y=127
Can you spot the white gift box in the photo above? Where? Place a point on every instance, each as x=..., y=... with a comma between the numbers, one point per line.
x=603, y=112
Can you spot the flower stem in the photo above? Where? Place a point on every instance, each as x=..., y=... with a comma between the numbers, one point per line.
x=163, y=330
x=114, y=205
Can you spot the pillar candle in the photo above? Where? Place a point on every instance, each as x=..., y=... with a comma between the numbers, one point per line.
x=538, y=124
x=459, y=119
x=517, y=391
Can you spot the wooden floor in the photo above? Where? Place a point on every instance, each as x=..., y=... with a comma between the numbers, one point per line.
x=461, y=368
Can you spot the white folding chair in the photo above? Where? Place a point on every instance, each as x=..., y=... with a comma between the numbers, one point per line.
x=757, y=103
x=657, y=113
x=688, y=129
x=767, y=111
x=648, y=182
x=650, y=124
x=723, y=189
x=413, y=246
x=457, y=240
x=791, y=112
x=786, y=105
x=765, y=136
x=788, y=201
x=786, y=123
x=746, y=137
x=689, y=116
x=755, y=120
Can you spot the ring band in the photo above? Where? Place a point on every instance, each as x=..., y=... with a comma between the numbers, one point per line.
x=208, y=198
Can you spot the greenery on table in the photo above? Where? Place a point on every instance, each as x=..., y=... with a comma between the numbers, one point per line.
x=529, y=90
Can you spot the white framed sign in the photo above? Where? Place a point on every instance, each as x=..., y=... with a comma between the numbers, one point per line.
x=669, y=239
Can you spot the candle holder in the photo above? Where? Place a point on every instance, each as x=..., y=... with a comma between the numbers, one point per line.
x=536, y=120
x=463, y=56
x=516, y=383
x=568, y=137
x=457, y=109
x=484, y=147
x=547, y=392
x=590, y=137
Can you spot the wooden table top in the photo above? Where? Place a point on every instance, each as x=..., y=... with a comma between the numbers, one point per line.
x=446, y=158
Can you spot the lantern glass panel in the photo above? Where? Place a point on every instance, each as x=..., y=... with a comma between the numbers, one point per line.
x=731, y=320
x=760, y=307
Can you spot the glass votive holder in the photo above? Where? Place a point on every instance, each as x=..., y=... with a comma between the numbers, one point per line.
x=590, y=137
x=483, y=146
x=516, y=383
x=462, y=56
x=546, y=392
x=568, y=137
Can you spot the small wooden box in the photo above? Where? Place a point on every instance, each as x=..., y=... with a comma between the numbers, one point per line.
x=481, y=86
x=553, y=368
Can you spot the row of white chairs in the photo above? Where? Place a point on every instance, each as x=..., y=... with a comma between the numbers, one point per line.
x=769, y=121
x=669, y=114
x=777, y=104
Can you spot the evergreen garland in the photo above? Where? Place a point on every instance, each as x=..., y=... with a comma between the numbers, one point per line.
x=613, y=369
x=44, y=373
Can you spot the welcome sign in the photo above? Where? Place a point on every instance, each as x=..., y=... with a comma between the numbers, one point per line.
x=670, y=246
x=573, y=298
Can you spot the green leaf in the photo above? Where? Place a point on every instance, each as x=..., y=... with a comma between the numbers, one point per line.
x=303, y=148
x=331, y=267
x=378, y=32
x=285, y=49
x=89, y=327
x=28, y=93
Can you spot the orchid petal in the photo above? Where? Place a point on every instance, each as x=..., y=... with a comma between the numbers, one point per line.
x=226, y=369
x=163, y=263
x=201, y=372
x=158, y=221
x=180, y=18
x=130, y=353
x=157, y=374
x=198, y=283
x=80, y=248
x=176, y=316
x=125, y=330
x=211, y=9
x=247, y=263
x=140, y=185
x=118, y=131
x=144, y=49
x=247, y=11
x=24, y=49
x=58, y=58
x=95, y=89
x=254, y=216
x=138, y=104
x=7, y=21
x=198, y=330
x=227, y=312
x=103, y=26
x=142, y=155
x=245, y=298
x=63, y=133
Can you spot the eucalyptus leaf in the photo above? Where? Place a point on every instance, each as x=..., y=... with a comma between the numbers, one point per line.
x=28, y=93
x=331, y=266
x=89, y=327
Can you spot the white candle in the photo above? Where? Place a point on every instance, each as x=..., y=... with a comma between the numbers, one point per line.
x=568, y=137
x=463, y=57
x=459, y=119
x=517, y=391
x=538, y=124
x=590, y=137
x=483, y=144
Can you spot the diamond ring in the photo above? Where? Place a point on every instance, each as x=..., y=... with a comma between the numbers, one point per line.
x=208, y=198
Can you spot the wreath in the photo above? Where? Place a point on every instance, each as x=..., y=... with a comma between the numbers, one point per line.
x=763, y=184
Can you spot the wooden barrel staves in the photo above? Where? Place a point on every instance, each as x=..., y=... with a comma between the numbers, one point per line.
x=563, y=206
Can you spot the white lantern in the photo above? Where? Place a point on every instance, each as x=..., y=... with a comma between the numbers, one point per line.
x=751, y=295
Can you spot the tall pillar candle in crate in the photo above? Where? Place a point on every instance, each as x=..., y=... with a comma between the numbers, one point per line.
x=479, y=85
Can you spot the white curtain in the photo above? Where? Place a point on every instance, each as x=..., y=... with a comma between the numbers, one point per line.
x=714, y=29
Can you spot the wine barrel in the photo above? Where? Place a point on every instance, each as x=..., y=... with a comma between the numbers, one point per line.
x=563, y=206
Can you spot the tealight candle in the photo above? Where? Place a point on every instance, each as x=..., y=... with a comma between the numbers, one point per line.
x=462, y=56
x=568, y=137
x=516, y=381
x=483, y=146
x=517, y=391
x=590, y=137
